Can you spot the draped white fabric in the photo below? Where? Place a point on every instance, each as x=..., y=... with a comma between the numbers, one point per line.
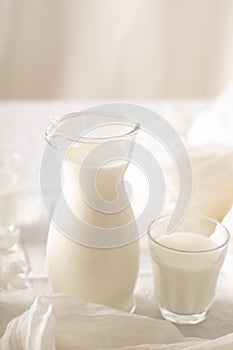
x=112, y=49
x=59, y=322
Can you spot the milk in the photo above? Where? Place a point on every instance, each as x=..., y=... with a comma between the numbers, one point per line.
x=185, y=281
x=8, y=198
x=101, y=275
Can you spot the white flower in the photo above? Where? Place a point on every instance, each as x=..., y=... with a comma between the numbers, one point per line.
x=10, y=265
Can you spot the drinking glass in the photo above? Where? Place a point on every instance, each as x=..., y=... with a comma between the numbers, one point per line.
x=186, y=262
x=10, y=170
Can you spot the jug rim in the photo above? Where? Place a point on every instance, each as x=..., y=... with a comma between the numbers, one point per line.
x=52, y=131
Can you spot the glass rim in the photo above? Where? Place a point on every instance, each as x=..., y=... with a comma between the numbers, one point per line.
x=51, y=130
x=208, y=218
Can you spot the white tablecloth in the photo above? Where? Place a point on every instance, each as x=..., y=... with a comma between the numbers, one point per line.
x=22, y=125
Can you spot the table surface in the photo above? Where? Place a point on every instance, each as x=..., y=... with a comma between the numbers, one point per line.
x=21, y=128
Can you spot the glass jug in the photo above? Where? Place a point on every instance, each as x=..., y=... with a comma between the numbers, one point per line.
x=93, y=245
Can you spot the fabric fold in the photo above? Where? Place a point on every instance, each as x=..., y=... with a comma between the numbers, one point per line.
x=73, y=324
x=58, y=322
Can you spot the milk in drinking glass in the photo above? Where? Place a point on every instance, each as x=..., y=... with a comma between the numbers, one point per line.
x=186, y=265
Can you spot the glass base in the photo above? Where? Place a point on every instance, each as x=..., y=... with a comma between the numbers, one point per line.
x=133, y=308
x=129, y=307
x=183, y=319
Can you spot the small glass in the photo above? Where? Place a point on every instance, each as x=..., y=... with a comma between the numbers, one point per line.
x=10, y=170
x=186, y=264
